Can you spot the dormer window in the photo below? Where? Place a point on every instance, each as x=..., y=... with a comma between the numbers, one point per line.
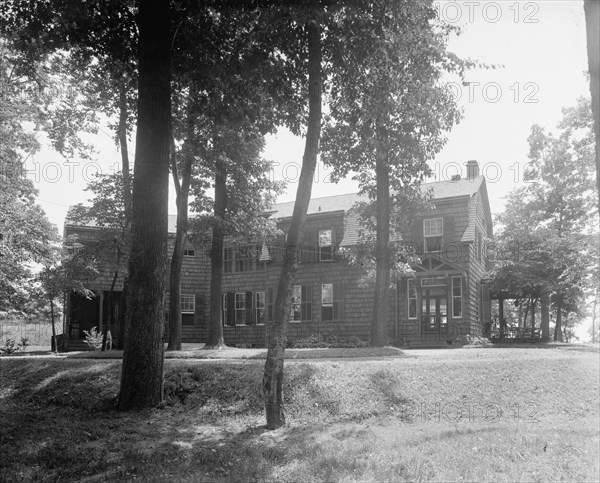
x=433, y=229
x=325, y=245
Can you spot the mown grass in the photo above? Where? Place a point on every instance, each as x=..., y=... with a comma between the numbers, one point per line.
x=514, y=414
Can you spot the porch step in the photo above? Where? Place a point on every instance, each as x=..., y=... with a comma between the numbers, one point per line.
x=77, y=345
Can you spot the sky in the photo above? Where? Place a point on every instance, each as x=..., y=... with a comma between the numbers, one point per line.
x=540, y=47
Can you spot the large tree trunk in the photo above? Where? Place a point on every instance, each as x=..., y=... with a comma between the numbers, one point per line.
x=142, y=373
x=215, y=337
x=382, y=252
x=273, y=376
x=123, y=315
x=592, y=19
x=182, y=190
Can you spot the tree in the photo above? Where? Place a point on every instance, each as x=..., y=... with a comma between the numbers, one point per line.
x=592, y=18
x=273, y=375
x=546, y=240
x=142, y=373
x=388, y=114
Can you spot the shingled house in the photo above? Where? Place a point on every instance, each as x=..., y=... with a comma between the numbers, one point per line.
x=444, y=299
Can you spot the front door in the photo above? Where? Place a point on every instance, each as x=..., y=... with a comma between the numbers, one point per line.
x=434, y=313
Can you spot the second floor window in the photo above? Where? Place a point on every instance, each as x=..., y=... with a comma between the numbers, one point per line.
x=433, y=229
x=325, y=245
x=242, y=259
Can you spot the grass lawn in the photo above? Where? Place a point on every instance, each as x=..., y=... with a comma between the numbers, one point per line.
x=472, y=414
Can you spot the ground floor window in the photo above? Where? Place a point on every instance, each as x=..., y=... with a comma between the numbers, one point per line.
x=188, y=308
x=240, y=308
x=301, y=303
x=457, y=297
x=412, y=299
x=331, y=301
x=259, y=307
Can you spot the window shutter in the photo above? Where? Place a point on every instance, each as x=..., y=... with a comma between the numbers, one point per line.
x=249, y=309
x=338, y=301
x=200, y=308
x=230, y=308
x=306, y=309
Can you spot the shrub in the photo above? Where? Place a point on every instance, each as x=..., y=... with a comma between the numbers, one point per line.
x=11, y=347
x=93, y=338
x=330, y=341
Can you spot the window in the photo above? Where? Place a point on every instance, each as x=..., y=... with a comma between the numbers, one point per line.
x=243, y=259
x=325, y=245
x=301, y=306
x=240, y=308
x=228, y=259
x=456, y=296
x=189, y=252
x=432, y=231
x=331, y=301
x=295, y=313
x=188, y=308
x=412, y=299
x=259, y=307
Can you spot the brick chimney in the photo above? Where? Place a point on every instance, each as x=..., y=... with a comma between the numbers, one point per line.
x=472, y=169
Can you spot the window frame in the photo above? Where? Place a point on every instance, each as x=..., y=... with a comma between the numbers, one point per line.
x=239, y=310
x=433, y=236
x=257, y=307
x=455, y=297
x=409, y=298
x=325, y=256
x=186, y=252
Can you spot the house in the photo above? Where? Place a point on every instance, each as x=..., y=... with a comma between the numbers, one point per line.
x=446, y=297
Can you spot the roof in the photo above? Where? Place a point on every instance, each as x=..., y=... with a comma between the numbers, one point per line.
x=344, y=203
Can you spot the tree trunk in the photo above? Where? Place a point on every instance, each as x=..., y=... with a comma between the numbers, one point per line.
x=142, y=372
x=502, y=322
x=545, y=310
x=273, y=376
x=182, y=190
x=109, y=302
x=215, y=337
x=592, y=19
x=533, y=304
x=382, y=252
x=123, y=314
x=558, y=334
x=53, y=347
x=122, y=134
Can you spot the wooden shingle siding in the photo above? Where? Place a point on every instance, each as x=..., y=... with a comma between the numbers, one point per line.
x=462, y=206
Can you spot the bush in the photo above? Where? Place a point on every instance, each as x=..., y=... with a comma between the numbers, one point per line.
x=93, y=339
x=330, y=341
x=11, y=346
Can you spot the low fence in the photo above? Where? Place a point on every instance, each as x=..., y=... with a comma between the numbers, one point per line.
x=36, y=332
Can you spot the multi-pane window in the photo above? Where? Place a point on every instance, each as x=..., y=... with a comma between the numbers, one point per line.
x=331, y=301
x=325, y=245
x=433, y=229
x=188, y=308
x=243, y=258
x=456, y=297
x=189, y=252
x=259, y=307
x=295, y=313
x=412, y=299
x=240, y=308
x=301, y=303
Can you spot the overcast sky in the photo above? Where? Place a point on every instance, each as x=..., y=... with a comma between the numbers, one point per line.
x=541, y=46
